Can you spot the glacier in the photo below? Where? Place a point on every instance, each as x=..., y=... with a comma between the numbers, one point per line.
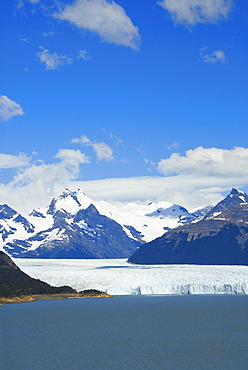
x=118, y=277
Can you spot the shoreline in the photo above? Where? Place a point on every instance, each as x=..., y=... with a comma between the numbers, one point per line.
x=42, y=297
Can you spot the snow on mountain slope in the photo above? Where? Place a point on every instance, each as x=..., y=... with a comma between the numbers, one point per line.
x=69, y=202
x=117, y=277
x=12, y=223
x=231, y=200
x=151, y=219
x=220, y=238
x=72, y=225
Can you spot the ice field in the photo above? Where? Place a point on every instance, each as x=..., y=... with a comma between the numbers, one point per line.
x=117, y=277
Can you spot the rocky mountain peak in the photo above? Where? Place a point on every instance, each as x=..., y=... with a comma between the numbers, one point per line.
x=219, y=239
x=6, y=212
x=74, y=226
x=69, y=201
x=231, y=200
x=67, y=194
x=236, y=192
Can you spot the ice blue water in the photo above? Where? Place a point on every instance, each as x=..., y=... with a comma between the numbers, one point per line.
x=128, y=332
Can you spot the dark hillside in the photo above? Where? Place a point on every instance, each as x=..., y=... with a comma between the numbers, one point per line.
x=221, y=240
x=14, y=282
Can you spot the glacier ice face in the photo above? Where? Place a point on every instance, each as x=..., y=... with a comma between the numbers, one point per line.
x=117, y=277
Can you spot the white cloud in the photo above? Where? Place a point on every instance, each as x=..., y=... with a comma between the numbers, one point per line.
x=203, y=175
x=40, y=184
x=107, y=19
x=84, y=55
x=174, y=144
x=35, y=185
x=9, y=108
x=53, y=60
x=188, y=191
x=14, y=161
x=103, y=151
x=83, y=140
x=207, y=162
x=46, y=34
x=23, y=39
x=117, y=139
x=191, y=12
x=72, y=157
x=214, y=57
x=152, y=165
x=45, y=174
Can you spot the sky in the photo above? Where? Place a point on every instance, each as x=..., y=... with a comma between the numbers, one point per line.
x=127, y=100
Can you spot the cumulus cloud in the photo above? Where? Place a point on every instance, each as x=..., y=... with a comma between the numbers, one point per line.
x=9, y=108
x=53, y=60
x=191, y=12
x=105, y=18
x=45, y=174
x=14, y=161
x=214, y=57
x=103, y=151
x=36, y=184
x=188, y=191
x=207, y=162
x=72, y=157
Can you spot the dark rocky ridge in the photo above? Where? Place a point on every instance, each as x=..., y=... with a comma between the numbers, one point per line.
x=14, y=282
x=219, y=240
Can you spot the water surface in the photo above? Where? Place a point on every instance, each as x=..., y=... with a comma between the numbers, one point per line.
x=126, y=332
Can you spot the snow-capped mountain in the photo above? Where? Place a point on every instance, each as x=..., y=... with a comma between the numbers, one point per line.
x=233, y=199
x=150, y=220
x=12, y=223
x=220, y=238
x=69, y=228
x=74, y=226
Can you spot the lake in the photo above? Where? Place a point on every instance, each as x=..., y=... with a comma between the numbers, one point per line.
x=126, y=332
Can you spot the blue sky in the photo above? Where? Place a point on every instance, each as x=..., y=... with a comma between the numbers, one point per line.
x=127, y=90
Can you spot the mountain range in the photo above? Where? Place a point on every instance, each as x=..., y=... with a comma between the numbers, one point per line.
x=219, y=238
x=74, y=226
